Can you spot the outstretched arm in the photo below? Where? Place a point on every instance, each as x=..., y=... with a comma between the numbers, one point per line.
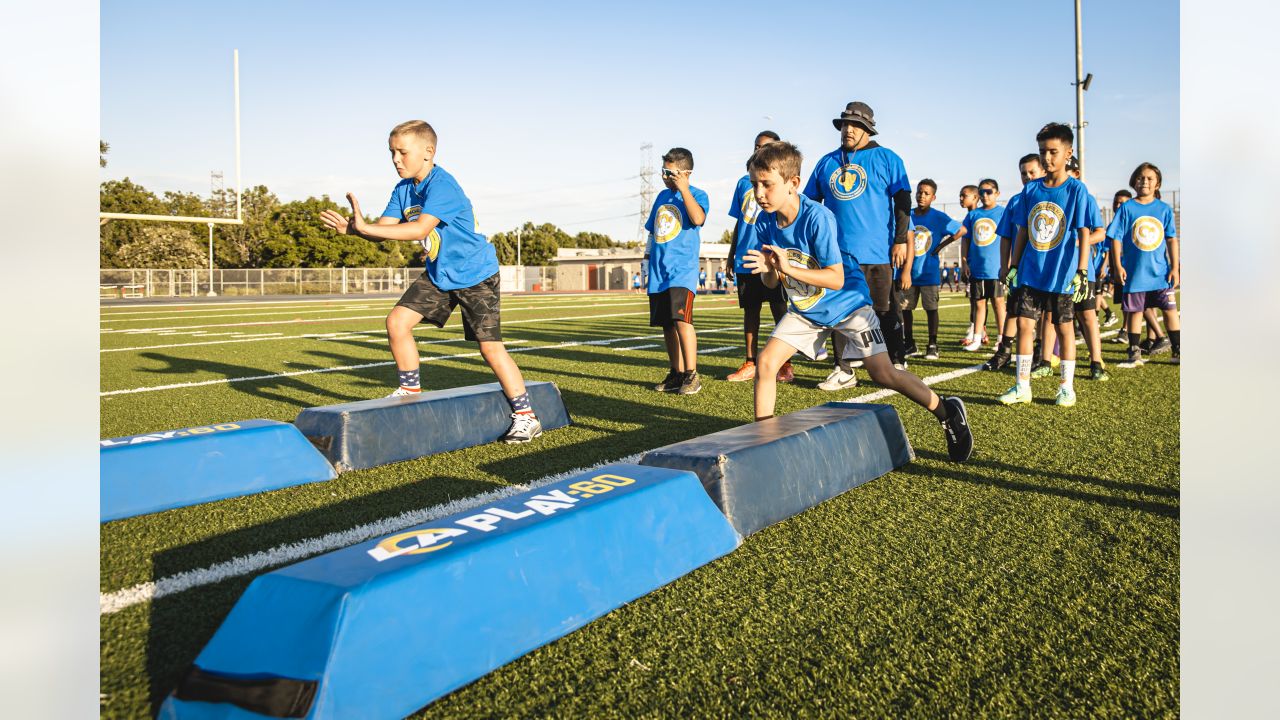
x=384, y=229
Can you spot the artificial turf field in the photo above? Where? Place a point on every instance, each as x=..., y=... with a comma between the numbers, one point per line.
x=1040, y=579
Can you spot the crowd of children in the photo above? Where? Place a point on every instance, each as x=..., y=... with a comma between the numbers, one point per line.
x=844, y=256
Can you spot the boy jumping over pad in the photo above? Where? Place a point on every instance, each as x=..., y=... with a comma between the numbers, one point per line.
x=827, y=294
x=429, y=207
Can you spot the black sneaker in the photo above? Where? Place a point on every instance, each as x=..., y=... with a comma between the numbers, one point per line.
x=671, y=382
x=999, y=361
x=911, y=351
x=690, y=384
x=956, y=428
x=1145, y=346
x=931, y=352
x=1163, y=345
x=1176, y=358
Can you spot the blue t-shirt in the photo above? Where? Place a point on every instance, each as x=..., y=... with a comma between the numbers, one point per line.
x=858, y=187
x=1095, y=251
x=1143, y=230
x=811, y=241
x=930, y=228
x=1008, y=227
x=1053, y=218
x=674, y=242
x=745, y=210
x=983, y=239
x=457, y=255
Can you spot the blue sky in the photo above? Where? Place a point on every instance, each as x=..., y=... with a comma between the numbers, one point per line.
x=541, y=108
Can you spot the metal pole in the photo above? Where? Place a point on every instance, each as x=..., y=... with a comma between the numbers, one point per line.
x=211, y=292
x=235, y=55
x=1079, y=92
x=517, y=246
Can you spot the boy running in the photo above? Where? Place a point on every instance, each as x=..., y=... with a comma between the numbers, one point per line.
x=827, y=294
x=429, y=207
x=1144, y=250
x=674, y=244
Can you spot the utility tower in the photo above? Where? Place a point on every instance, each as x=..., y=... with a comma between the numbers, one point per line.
x=646, y=187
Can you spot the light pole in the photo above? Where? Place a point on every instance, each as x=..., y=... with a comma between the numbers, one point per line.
x=211, y=292
x=1082, y=84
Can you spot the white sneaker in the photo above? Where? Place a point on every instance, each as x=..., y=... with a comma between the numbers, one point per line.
x=973, y=346
x=405, y=392
x=822, y=355
x=524, y=427
x=839, y=380
x=853, y=363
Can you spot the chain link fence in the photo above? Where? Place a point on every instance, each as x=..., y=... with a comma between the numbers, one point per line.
x=176, y=282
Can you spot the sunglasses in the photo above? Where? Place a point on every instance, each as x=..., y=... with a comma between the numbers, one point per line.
x=666, y=172
x=986, y=191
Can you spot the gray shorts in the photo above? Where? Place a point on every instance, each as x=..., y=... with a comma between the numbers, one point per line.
x=927, y=294
x=861, y=329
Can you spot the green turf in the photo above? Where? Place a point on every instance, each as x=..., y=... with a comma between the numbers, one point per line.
x=1040, y=579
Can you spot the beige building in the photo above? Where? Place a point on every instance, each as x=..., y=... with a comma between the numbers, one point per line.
x=613, y=268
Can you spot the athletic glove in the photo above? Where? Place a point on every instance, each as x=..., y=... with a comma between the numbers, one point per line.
x=1011, y=278
x=1079, y=287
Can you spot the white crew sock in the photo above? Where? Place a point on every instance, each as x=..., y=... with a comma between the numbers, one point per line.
x=1023, y=364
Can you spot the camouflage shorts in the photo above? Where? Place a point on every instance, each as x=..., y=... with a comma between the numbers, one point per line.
x=481, y=305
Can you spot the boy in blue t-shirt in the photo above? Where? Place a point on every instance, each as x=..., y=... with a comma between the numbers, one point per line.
x=429, y=207
x=1144, y=256
x=752, y=294
x=933, y=229
x=674, y=246
x=827, y=294
x=1050, y=261
x=980, y=254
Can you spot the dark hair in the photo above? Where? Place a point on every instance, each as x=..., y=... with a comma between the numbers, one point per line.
x=1124, y=193
x=991, y=182
x=930, y=183
x=1133, y=179
x=769, y=134
x=679, y=157
x=1031, y=157
x=780, y=156
x=1056, y=131
x=970, y=188
x=1073, y=164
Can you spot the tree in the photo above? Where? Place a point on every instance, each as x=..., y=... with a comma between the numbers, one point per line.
x=243, y=245
x=590, y=240
x=726, y=237
x=123, y=196
x=103, y=149
x=162, y=245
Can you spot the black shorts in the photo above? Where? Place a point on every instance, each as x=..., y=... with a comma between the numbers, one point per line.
x=670, y=305
x=481, y=304
x=880, y=283
x=1029, y=302
x=927, y=294
x=986, y=289
x=1090, y=302
x=752, y=292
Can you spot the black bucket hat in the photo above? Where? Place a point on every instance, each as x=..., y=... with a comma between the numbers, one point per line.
x=858, y=112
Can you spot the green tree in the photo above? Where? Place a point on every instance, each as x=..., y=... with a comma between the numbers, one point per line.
x=244, y=245
x=163, y=245
x=123, y=196
x=590, y=240
x=103, y=149
x=726, y=237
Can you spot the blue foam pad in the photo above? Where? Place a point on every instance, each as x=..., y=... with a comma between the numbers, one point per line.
x=382, y=628
x=765, y=472
x=376, y=432
x=159, y=471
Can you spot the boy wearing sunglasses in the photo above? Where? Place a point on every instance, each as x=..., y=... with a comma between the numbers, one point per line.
x=980, y=253
x=674, y=248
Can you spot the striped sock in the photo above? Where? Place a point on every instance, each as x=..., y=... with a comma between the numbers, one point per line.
x=409, y=379
x=521, y=404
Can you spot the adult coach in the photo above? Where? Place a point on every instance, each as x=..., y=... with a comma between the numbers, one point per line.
x=866, y=187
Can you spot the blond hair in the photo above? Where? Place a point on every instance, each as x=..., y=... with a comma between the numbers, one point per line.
x=420, y=128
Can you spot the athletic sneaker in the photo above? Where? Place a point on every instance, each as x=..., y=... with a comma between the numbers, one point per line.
x=746, y=372
x=967, y=339
x=524, y=427
x=900, y=365
x=1041, y=369
x=786, y=373
x=1111, y=320
x=1121, y=338
x=973, y=346
x=911, y=351
x=1145, y=346
x=822, y=354
x=956, y=428
x=999, y=361
x=1134, y=361
x=671, y=382
x=1161, y=346
x=838, y=380
x=931, y=352
x=1014, y=395
x=1176, y=358
x=853, y=363
x=985, y=339
x=1099, y=373
x=1066, y=396
x=690, y=384
x=403, y=391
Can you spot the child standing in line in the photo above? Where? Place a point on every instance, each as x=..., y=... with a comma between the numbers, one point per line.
x=980, y=254
x=1030, y=167
x=933, y=230
x=1144, y=250
x=674, y=245
x=968, y=202
x=827, y=294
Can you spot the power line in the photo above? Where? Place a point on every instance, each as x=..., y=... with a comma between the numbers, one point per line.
x=615, y=217
x=555, y=189
x=646, y=186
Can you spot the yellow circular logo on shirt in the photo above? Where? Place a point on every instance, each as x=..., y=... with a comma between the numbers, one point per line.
x=1148, y=233
x=668, y=224
x=432, y=244
x=1045, y=226
x=750, y=209
x=802, y=295
x=848, y=182
x=924, y=238
x=984, y=232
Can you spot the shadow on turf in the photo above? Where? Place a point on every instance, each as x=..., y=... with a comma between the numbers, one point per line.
x=963, y=474
x=257, y=388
